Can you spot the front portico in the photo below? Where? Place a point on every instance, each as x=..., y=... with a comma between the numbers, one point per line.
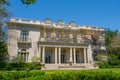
x=64, y=57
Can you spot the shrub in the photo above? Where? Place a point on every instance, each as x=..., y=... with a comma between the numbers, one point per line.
x=62, y=75
x=8, y=66
x=103, y=64
x=113, y=59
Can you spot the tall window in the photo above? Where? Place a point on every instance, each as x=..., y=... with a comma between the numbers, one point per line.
x=48, y=37
x=63, y=56
x=24, y=54
x=24, y=35
x=74, y=40
x=48, y=56
x=58, y=36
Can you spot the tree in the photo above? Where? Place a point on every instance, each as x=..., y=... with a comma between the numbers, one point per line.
x=18, y=62
x=35, y=59
x=3, y=44
x=113, y=59
x=101, y=57
x=36, y=62
x=19, y=59
x=28, y=2
x=108, y=36
x=4, y=14
x=3, y=53
x=108, y=39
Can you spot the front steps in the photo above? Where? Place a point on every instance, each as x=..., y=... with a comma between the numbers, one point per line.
x=68, y=67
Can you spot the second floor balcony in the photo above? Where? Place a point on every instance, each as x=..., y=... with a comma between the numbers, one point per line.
x=24, y=40
x=66, y=40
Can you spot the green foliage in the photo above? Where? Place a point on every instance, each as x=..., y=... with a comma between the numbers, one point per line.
x=109, y=35
x=19, y=59
x=17, y=66
x=3, y=53
x=99, y=57
x=18, y=62
x=28, y=2
x=3, y=12
x=36, y=62
x=35, y=59
x=105, y=74
x=103, y=64
x=113, y=59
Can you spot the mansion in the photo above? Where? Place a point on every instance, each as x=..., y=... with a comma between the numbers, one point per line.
x=58, y=45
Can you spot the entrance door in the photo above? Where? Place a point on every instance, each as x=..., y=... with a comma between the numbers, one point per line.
x=48, y=56
x=63, y=58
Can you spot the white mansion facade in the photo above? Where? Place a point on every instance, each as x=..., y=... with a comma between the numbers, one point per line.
x=59, y=45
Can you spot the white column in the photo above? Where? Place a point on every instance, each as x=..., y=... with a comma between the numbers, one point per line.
x=40, y=53
x=27, y=56
x=70, y=54
x=87, y=56
x=55, y=55
x=84, y=55
x=74, y=55
x=59, y=55
x=43, y=54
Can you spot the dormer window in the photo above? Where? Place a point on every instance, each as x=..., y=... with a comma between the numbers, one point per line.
x=48, y=21
x=73, y=24
x=60, y=22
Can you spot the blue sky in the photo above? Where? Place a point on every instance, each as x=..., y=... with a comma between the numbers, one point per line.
x=103, y=13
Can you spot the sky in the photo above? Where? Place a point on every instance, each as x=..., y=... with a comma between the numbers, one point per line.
x=101, y=13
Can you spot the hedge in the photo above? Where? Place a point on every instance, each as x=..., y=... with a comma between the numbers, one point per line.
x=62, y=75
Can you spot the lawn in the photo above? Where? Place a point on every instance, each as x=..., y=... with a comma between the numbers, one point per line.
x=99, y=74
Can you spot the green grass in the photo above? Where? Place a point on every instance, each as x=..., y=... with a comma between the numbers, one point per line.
x=98, y=74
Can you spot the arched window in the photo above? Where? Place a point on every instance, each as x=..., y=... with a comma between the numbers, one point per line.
x=23, y=50
x=24, y=53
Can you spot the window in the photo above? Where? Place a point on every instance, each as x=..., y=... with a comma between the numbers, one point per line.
x=24, y=54
x=74, y=40
x=58, y=37
x=24, y=35
x=48, y=37
x=63, y=56
x=66, y=38
x=48, y=56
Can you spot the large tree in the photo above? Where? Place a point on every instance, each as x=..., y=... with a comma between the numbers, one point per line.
x=108, y=39
x=3, y=44
x=3, y=15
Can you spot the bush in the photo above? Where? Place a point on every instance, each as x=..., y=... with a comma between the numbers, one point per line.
x=23, y=66
x=62, y=75
x=8, y=66
x=103, y=64
x=113, y=59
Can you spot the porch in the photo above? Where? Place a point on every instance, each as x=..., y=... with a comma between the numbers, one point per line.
x=61, y=57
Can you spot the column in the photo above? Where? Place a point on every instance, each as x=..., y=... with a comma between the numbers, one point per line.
x=70, y=54
x=55, y=55
x=84, y=55
x=43, y=54
x=27, y=56
x=59, y=55
x=40, y=53
x=74, y=55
